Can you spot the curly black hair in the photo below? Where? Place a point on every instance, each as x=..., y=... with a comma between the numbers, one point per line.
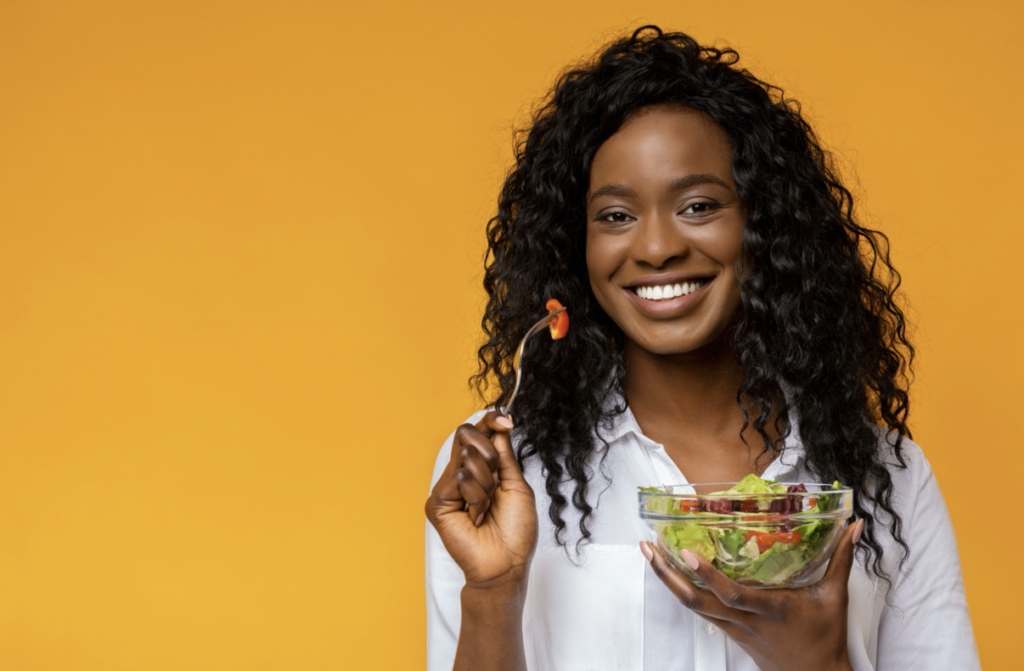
x=819, y=329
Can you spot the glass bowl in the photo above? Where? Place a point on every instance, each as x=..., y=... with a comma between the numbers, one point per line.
x=776, y=539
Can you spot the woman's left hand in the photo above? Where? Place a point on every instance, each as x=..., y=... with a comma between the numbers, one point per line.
x=767, y=622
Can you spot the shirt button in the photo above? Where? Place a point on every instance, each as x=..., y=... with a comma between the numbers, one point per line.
x=712, y=629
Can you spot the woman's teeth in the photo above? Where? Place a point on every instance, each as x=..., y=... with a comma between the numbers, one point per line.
x=667, y=291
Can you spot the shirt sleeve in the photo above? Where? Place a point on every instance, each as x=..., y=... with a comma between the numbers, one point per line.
x=444, y=582
x=926, y=624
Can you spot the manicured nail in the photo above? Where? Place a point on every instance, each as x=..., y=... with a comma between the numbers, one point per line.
x=480, y=518
x=857, y=531
x=648, y=555
x=690, y=559
x=504, y=421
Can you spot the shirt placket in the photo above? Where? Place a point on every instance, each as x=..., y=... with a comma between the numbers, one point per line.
x=709, y=643
x=709, y=640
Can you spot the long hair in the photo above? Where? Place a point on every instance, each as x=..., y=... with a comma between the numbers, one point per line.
x=819, y=332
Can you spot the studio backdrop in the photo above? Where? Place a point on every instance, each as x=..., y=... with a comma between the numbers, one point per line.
x=240, y=259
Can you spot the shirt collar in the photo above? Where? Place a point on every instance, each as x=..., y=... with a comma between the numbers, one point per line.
x=624, y=424
x=793, y=456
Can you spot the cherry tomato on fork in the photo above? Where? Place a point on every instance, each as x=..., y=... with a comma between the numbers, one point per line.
x=560, y=326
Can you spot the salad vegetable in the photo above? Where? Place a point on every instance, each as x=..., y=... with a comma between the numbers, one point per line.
x=560, y=326
x=749, y=532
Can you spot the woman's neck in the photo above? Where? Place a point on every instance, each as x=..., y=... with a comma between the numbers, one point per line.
x=687, y=402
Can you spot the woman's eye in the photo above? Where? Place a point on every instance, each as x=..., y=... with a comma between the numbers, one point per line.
x=700, y=207
x=615, y=217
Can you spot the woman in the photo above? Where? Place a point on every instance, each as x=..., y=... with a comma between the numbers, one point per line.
x=729, y=316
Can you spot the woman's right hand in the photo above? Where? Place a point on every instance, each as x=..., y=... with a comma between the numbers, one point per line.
x=483, y=508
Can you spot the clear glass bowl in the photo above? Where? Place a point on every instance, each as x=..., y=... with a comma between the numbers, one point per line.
x=760, y=540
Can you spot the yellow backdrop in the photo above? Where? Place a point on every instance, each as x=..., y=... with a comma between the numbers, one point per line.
x=239, y=294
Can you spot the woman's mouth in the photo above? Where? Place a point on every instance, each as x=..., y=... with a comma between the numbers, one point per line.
x=664, y=292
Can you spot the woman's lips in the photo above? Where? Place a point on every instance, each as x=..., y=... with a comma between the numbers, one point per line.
x=667, y=307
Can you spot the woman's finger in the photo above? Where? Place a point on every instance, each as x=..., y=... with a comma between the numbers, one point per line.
x=499, y=426
x=494, y=422
x=703, y=602
x=470, y=435
x=473, y=451
x=445, y=499
x=729, y=592
x=837, y=576
x=471, y=460
x=473, y=494
x=495, y=426
x=484, y=474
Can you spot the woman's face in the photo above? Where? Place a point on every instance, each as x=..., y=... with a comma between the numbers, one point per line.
x=664, y=227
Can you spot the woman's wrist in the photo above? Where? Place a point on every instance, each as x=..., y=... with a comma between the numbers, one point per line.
x=491, y=637
x=495, y=597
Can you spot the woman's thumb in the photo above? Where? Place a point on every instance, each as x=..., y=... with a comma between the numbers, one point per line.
x=841, y=563
x=508, y=465
x=498, y=428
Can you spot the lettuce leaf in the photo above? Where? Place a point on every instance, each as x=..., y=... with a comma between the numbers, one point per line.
x=776, y=564
x=813, y=535
x=750, y=550
x=657, y=504
x=730, y=541
x=693, y=537
x=827, y=502
x=751, y=484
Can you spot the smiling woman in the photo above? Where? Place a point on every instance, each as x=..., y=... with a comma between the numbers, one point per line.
x=729, y=316
x=664, y=212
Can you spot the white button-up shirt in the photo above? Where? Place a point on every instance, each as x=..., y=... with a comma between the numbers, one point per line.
x=604, y=608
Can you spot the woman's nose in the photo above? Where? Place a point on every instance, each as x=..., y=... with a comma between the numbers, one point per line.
x=659, y=239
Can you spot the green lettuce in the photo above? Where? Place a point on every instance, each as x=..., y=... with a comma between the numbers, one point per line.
x=751, y=484
x=693, y=537
x=730, y=541
x=776, y=563
x=658, y=504
x=827, y=502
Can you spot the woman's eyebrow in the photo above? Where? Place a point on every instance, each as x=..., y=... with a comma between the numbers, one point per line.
x=683, y=183
x=678, y=184
x=612, y=190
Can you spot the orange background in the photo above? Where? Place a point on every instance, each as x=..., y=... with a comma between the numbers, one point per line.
x=239, y=294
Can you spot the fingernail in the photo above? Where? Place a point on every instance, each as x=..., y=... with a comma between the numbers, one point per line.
x=648, y=555
x=857, y=531
x=690, y=559
x=480, y=518
x=504, y=421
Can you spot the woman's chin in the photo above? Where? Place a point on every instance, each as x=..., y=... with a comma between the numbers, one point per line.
x=680, y=345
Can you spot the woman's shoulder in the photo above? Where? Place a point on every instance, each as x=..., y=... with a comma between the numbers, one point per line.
x=916, y=496
x=926, y=623
x=903, y=458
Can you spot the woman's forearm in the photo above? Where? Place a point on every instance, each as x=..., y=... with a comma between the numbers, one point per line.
x=491, y=636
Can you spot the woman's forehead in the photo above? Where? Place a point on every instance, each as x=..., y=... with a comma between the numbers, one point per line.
x=663, y=143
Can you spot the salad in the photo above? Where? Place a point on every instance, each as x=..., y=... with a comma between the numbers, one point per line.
x=757, y=532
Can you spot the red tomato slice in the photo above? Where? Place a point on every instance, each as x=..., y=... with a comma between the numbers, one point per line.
x=560, y=326
x=684, y=505
x=766, y=540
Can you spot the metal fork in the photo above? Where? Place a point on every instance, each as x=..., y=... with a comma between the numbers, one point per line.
x=517, y=361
